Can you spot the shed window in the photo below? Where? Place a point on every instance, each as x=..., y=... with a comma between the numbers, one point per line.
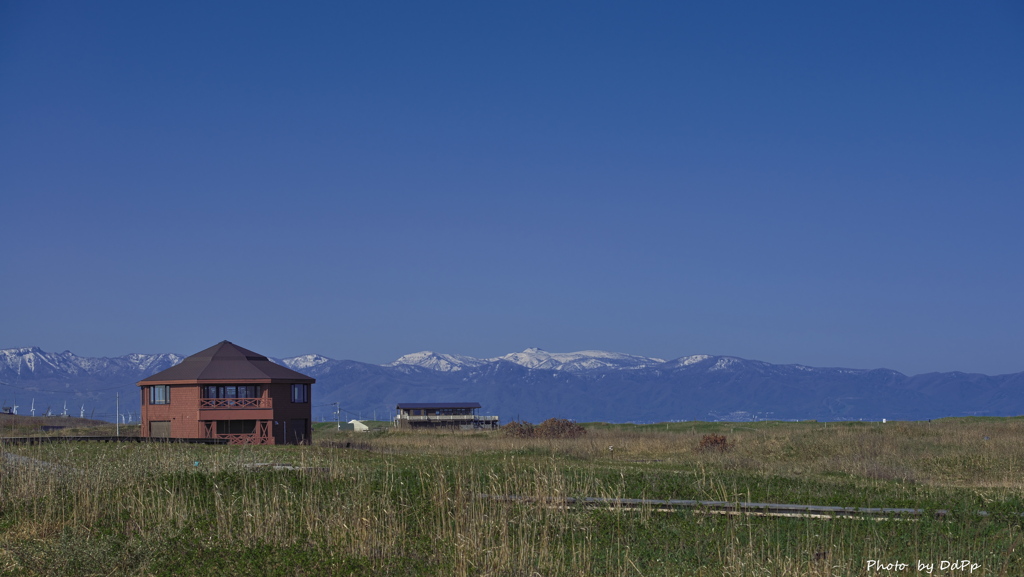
x=159, y=394
x=300, y=393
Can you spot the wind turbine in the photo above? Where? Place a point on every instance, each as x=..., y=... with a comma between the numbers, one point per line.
x=81, y=415
x=65, y=413
x=33, y=407
x=15, y=406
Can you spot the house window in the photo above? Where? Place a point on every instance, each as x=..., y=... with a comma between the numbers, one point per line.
x=300, y=393
x=160, y=429
x=159, y=394
x=232, y=392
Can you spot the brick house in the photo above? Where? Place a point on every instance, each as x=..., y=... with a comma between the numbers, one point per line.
x=228, y=392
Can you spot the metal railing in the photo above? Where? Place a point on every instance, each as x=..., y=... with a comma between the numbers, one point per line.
x=255, y=403
x=447, y=418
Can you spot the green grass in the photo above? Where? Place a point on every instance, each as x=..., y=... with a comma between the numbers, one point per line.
x=403, y=503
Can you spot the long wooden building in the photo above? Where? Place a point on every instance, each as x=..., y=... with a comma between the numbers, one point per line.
x=456, y=415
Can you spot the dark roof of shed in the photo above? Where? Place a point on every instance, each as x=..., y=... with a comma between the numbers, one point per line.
x=226, y=361
x=438, y=406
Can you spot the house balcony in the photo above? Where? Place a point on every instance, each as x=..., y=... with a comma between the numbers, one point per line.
x=260, y=435
x=236, y=409
x=255, y=403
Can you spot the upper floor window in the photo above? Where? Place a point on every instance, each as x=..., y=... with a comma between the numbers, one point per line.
x=232, y=392
x=300, y=393
x=159, y=394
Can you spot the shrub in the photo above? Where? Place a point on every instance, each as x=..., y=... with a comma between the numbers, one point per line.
x=713, y=443
x=560, y=429
x=518, y=429
x=549, y=429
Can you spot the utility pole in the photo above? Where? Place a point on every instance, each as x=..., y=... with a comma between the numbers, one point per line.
x=337, y=414
x=117, y=413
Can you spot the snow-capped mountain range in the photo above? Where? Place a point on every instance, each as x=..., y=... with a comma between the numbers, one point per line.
x=535, y=384
x=532, y=358
x=35, y=361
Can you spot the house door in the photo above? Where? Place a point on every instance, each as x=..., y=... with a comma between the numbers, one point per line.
x=297, y=433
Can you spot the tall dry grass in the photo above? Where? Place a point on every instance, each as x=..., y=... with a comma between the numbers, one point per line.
x=410, y=503
x=948, y=452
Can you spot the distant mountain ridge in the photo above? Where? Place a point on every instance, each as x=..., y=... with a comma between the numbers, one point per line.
x=535, y=384
x=532, y=358
x=37, y=362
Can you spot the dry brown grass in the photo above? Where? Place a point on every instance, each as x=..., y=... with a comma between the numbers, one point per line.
x=413, y=498
x=26, y=425
x=948, y=453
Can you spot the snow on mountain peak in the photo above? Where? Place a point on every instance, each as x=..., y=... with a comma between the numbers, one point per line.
x=33, y=360
x=732, y=363
x=531, y=358
x=693, y=359
x=534, y=358
x=438, y=361
x=304, y=361
x=29, y=359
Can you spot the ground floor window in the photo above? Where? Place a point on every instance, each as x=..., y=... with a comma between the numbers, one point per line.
x=160, y=429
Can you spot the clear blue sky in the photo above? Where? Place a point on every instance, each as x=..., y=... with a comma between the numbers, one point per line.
x=832, y=184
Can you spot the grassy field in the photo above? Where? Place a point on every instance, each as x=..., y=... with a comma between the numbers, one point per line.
x=390, y=503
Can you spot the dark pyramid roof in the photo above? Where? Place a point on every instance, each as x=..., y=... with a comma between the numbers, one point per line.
x=226, y=361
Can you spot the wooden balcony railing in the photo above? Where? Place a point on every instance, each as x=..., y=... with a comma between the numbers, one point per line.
x=256, y=403
x=244, y=439
x=260, y=436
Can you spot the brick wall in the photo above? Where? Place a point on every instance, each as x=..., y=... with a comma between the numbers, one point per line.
x=182, y=412
x=286, y=413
